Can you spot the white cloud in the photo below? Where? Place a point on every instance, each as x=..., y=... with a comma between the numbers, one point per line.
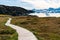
x=44, y=3
x=30, y=4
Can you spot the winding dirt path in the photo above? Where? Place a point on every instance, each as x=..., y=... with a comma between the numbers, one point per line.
x=23, y=34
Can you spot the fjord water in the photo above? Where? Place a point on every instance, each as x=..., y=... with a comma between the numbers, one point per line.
x=46, y=14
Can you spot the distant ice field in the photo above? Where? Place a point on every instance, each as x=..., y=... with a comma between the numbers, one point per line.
x=45, y=15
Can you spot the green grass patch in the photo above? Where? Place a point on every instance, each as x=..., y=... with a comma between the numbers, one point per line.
x=6, y=33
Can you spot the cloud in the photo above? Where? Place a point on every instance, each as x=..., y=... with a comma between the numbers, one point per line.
x=30, y=4
x=44, y=3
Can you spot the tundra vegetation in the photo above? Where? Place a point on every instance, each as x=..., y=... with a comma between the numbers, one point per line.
x=44, y=28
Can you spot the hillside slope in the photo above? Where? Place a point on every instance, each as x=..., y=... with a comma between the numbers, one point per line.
x=14, y=11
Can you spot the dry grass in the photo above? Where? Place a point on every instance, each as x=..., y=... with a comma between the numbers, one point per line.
x=44, y=28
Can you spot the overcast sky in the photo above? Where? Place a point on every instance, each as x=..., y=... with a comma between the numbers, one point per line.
x=31, y=4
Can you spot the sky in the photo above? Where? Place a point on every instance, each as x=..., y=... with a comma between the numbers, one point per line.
x=31, y=4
